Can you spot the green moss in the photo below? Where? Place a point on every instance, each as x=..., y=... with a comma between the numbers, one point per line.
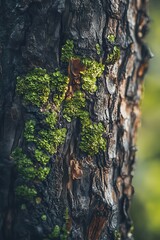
x=89, y=76
x=92, y=140
x=51, y=119
x=59, y=86
x=23, y=164
x=37, y=86
x=41, y=157
x=64, y=232
x=26, y=167
x=29, y=131
x=34, y=87
x=44, y=217
x=42, y=173
x=26, y=192
x=117, y=235
x=98, y=49
x=38, y=200
x=111, y=38
x=113, y=56
x=47, y=91
x=74, y=107
x=84, y=117
x=56, y=232
x=67, y=51
x=61, y=232
x=50, y=140
x=64, y=235
x=44, y=143
x=66, y=214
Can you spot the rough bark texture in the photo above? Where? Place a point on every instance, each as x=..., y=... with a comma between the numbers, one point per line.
x=32, y=33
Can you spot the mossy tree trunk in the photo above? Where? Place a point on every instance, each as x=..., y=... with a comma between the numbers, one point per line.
x=87, y=192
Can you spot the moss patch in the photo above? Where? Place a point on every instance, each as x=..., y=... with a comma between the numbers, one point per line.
x=61, y=232
x=111, y=38
x=113, y=56
x=24, y=191
x=98, y=49
x=92, y=140
x=67, y=51
x=34, y=87
x=90, y=75
x=47, y=92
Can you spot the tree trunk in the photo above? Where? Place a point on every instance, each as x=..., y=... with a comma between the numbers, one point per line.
x=87, y=192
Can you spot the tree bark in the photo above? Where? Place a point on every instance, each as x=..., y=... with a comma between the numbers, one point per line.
x=32, y=34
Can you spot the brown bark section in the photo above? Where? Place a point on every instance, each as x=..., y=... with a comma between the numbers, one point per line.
x=97, y=191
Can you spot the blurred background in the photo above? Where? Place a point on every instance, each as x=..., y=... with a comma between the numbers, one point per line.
x=145, y=209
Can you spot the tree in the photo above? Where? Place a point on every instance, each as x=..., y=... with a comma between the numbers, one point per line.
x=71, y=86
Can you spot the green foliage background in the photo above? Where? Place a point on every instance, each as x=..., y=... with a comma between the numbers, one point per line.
x=146, y=202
